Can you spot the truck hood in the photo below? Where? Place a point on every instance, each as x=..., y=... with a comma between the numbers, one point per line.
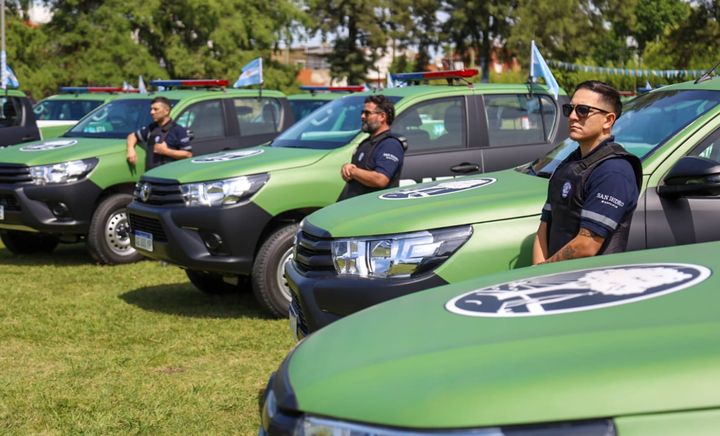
x=234, y=163
x=465, y=200
x=411, y=362
x=60, y=149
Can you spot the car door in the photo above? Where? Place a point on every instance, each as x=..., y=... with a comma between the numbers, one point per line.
x=17, y=121
x=520, y=128
x=687, y=219
x=259, y=120
x=437, y=132
x=206, y=122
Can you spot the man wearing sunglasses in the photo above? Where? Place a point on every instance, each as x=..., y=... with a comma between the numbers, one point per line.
x=377, y=162
x=593, y=192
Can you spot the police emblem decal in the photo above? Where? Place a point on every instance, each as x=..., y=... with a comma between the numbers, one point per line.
x=579, y=290
x=566, y=189
x=49, y=145
x=227, y=155
x=441, y=188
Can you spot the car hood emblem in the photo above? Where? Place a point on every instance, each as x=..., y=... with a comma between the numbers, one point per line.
x=145, y=192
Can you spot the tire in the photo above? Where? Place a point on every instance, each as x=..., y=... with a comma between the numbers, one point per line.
x=211, y=283
x=108, y=240
x=268, y=275
x=28, y=242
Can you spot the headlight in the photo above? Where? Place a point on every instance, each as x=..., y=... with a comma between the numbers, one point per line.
x=64, y=172
x=222, y=192
x=397, y=255
x=311, y=426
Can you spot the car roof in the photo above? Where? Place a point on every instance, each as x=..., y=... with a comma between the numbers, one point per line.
x=102, y=96
x=712, y=84
x=323, y=96
x=480, y=88
x=180, y=94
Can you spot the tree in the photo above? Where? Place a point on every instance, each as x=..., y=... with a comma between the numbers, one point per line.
x=415, y=24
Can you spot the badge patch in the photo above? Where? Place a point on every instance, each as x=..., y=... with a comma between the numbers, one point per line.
x=441, y=188
x=49, y=145
x=227, y=155
x=362, y=155
x=578, y=291
x=566, y=189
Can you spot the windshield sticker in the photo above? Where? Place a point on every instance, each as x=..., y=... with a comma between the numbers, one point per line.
x=577, y=291
x=228, y=155
x=442, y=188
x=49, y=145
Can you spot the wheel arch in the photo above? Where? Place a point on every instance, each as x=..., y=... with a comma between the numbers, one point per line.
x=287, y=217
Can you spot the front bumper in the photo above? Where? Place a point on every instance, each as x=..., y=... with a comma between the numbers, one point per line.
x=181, y=235
x=65, y=208
x=320, y=298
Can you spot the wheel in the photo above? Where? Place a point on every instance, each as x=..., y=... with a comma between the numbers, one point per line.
x=28, y=242
x=211, y=283
x=268, y=275
x=109, y=237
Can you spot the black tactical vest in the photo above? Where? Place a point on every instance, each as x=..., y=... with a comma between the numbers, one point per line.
x=567, y=197
x=152, y=159
x=361, y=159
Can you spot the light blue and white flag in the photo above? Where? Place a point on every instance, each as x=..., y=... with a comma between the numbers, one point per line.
x=251, y=74
x=7, y=76
x=390, y=82
x=539, y=68
x=141, y=85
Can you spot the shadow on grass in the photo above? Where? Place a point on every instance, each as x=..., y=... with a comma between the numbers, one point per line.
x=64, y=254
x=185, y=300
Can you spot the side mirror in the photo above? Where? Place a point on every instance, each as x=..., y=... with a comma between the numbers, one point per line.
x=692, y=176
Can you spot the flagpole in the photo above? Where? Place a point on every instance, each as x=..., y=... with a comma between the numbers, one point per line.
x=3, y=53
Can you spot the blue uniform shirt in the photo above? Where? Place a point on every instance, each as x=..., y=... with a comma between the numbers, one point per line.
x=387, y=157
x=173, y=134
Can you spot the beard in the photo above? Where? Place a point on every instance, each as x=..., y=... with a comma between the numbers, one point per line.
x=369, y=127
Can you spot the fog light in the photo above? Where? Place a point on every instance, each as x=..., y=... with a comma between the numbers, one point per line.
x=60, y=209
x=212, y=241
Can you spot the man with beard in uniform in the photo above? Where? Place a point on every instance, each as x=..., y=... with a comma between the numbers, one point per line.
x=593, y=192
x=166, y=140
x=378, y=160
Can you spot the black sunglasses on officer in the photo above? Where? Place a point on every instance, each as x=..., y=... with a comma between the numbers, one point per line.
x=582, y=110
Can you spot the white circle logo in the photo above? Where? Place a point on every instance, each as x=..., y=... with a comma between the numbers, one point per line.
x=441, y=188
x=49, y=145
x=577, y=291
x=227, y=155
x=566, y=189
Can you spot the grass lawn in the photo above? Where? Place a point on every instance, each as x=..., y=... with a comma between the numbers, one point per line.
x=127, y=349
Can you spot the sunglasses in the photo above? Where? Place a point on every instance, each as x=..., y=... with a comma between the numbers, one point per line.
x=582, y=110
x=368, y=113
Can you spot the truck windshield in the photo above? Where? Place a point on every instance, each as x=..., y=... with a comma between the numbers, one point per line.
x=64, y=110
x=331, y=126
x=646, y=123
x=115, y=119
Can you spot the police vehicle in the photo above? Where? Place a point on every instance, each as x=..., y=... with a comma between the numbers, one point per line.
x=232, y=215
x=305, y=103
x=17, y=121
x=55, y=114
x=424, y=236
x=623, y=344
x=77, y=186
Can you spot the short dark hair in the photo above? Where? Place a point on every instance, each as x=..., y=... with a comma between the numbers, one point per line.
x=162, y=100
x=608, y=93
x=384, y=104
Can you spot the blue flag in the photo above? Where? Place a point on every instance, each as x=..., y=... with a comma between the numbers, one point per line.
x=251, y=74
x=539, y=68
x=141, y=86
x=7, y=76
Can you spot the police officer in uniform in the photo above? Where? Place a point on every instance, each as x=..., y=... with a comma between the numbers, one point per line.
x=378, y=160
x=592, y=194
x=166, y=140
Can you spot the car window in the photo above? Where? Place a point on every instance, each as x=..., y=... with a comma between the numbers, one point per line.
x=10, y=111
x=432, y=125
x=303, y=108
x=518, y=119
x=115, y=119
x=258, y=116
x=204, y=120
x=58, y=110
x=709, y=148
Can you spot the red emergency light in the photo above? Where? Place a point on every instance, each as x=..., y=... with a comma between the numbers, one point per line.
x=354, y=88
x=435, y=75
x=88, y=89
x=191, y=83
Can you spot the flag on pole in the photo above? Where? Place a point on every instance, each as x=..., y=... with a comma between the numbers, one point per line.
x=126, y=86
x=141, y=85
x=539, y=68
x=251, y=74
x=7, y=76
x=390, y=83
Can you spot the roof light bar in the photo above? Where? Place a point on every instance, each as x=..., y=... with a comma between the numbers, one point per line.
x=192, y=83
x=88, y=89
x=355, y=88
x=435, y=75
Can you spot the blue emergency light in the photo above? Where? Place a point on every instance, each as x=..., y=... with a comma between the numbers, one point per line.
x=435, y=75
x=354, y=88
x=191, y=83
x=88, y=89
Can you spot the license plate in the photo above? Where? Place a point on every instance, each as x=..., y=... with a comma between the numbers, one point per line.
x=144, y=240
x=2, y=212
x=293, y=322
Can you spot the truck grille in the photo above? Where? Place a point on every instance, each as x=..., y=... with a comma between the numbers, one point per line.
x=312, y=253
x=148, y=225
x=160, y=192
x=9, y=202
x=14, y=173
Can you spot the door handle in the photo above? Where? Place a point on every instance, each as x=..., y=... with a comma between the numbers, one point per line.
x=28, y=138
x=465, y=167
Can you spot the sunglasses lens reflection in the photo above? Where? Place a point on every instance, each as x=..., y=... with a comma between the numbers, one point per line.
x=581, y=110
